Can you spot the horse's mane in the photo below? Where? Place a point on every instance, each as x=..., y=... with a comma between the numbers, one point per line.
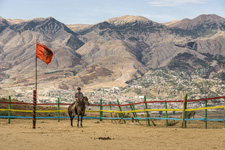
x=82, y=100
x=85, y=97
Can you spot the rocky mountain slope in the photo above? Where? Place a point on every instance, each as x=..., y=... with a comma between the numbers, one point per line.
x=110, y=53
x=17, y=48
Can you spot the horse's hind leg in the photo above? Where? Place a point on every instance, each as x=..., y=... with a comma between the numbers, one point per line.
x=78, y=121
x=81, y=120
x=71, y=119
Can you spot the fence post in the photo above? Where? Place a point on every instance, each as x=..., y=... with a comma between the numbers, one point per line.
x=185, y=122
x=144, y=113
x=134, y=113
x=101, y=113
x=224, y=114
x=146, y=107
x=205, y=114
x=121, y=110
x=9, y=113
x=132, y=110
x=166, y=114
x=111, y=112
x=58, y=111
x=184, y=115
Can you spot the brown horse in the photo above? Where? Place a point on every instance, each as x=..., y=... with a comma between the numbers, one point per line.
x=79, y=110
x=190, y=114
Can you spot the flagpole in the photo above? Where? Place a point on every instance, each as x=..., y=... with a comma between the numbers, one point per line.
x=35, y=73
x=35, y=95
x=44, y=54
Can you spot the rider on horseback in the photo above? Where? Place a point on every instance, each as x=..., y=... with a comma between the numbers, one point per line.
x=78, y=96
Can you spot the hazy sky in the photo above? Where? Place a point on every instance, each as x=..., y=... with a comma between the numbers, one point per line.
x=94, y=11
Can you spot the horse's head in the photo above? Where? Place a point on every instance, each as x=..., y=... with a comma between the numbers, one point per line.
x=85, y=100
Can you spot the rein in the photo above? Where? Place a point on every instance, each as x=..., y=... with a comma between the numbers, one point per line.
x=81, y=102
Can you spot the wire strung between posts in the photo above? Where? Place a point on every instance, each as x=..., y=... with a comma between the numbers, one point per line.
x=113, y=118
x=179, y=101
x=113, y=111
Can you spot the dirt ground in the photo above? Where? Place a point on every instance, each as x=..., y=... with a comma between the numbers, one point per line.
x=96, y=135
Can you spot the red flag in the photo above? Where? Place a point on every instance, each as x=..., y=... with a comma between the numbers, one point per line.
x=43, y=53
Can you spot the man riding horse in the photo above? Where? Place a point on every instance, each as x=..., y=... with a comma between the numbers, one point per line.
x=78, y=96
x=78, y=107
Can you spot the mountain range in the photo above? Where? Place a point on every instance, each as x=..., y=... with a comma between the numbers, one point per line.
x=111, y=53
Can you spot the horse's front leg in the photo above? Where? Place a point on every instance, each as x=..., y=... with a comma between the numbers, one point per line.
x=81, y=120
x=71, y=119
x=78, y=121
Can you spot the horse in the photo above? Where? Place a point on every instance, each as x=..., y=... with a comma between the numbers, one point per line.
x=78, y=110
x=190, y=114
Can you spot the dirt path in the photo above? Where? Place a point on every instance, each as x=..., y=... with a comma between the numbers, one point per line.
x=96, y=136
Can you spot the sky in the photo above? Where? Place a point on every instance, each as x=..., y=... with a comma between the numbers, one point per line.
x=94, y=11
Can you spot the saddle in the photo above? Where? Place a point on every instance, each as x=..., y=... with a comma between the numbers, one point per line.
x=75, y=105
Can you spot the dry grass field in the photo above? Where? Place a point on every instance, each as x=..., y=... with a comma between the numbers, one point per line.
x=96, y=135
